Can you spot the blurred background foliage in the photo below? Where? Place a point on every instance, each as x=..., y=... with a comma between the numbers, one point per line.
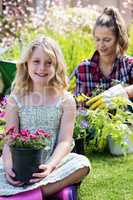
x=71, y=27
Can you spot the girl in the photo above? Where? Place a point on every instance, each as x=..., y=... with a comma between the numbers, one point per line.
x=108, y=62
x=39, y=100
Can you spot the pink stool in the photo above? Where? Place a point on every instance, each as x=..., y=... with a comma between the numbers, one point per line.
x=67, y=193
x=35, y=194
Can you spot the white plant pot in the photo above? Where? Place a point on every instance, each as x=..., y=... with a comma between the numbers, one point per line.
x=116, y=149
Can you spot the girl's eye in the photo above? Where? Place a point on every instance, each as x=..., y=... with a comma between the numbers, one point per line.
x=36, y=61
x=107, y=39
x=48, y=62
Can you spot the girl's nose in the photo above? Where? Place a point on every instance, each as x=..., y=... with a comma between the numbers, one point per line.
x=42, y=66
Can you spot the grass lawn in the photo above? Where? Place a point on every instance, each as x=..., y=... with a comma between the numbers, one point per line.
x=111, y=178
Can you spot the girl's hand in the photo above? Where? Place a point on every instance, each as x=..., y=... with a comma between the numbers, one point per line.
x=45, y=171
x=10, y=175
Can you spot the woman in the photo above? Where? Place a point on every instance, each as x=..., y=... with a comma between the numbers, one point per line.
x=108, y=62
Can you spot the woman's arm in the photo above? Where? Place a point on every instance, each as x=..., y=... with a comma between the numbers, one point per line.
x=129, y=91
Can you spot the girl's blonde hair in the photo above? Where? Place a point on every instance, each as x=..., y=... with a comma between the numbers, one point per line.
x=23, y=82
x=112, y=19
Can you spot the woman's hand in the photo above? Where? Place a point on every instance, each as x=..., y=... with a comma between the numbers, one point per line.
x=45, y=170
x=10, y=176
x=105, y=99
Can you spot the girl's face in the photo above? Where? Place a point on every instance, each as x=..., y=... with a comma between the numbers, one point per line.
x=106, y=42
x=40, y=67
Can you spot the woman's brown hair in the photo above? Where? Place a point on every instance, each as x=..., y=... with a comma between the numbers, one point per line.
x=111, y=18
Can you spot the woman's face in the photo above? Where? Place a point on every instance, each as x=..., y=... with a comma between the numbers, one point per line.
x=106, y=41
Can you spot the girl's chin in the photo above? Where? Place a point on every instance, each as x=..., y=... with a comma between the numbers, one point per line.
x=41, y=82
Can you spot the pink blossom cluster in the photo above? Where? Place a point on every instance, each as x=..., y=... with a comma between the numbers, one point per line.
x=25, y=138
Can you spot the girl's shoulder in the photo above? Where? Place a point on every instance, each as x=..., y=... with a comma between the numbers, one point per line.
x=68, y=100
x=68, y=96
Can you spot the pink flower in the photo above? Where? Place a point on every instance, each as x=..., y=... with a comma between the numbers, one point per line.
x=25, y=132
x=15, y=135
x=10, y=130
x=47, y=135
x=33, y=136
x=2, y=113
x=24, y=139
x=43, y=133
x=40, y=132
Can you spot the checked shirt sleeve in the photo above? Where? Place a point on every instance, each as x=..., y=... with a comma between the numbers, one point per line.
x=130, y=66
x=82, y=78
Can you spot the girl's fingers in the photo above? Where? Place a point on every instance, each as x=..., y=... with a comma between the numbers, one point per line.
x=35, y=180
x=43, y=167
x=41, y=175
x=11, y=173
x=45, y=171
x=11, y=181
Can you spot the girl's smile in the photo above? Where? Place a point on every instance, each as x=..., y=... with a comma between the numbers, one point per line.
x=41, y=75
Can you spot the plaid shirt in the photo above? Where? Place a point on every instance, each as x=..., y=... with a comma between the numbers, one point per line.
x=89, y=76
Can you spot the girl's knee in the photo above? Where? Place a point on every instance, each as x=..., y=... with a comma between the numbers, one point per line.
x=85, y=170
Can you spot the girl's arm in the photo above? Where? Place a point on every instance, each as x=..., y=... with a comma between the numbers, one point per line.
x=11, y=117
x=66, y=131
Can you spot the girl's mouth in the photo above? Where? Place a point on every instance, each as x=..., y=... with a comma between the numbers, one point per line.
x=41, y=75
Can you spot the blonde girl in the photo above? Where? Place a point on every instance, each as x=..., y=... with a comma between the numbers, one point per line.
x=39, y=99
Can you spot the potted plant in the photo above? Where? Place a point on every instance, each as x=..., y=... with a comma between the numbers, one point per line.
x=107, y=127
x=28, y=151
x=80, y=128
x=113, y=127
